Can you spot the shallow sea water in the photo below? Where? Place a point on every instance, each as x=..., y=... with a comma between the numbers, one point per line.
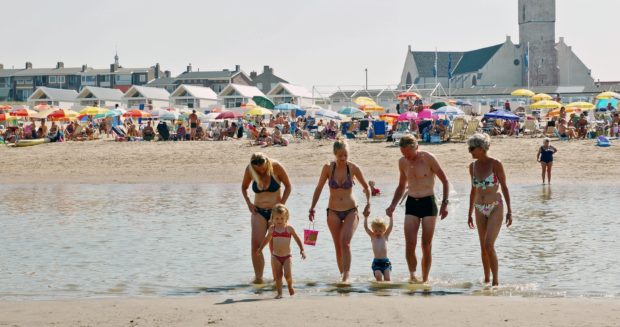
x=75, y=241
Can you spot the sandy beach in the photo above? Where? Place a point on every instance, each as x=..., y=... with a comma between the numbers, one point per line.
x=314, y=311
x=223, y=162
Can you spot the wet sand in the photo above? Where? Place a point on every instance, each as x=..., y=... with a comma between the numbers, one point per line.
x=223, y=162
x=315, y=311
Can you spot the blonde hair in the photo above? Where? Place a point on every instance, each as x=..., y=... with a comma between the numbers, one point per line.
x=480, y=140
x=341, y=144
x=280, y=209
x=408, y=141
x=268, y=162
x=378, y=223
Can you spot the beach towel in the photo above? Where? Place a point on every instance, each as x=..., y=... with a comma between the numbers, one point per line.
x=603, y=141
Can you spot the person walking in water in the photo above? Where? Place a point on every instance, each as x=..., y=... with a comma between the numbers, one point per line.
x=418, y=170
x=545, y=157
x=487, y=176
x=342, y=212
x=266, y=177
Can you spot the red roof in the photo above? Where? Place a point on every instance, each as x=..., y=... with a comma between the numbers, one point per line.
x=123, y=88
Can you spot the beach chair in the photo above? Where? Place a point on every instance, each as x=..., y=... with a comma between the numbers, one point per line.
x=120, y=133
x=472, y=128
x=379, y=130
x=550, y=131
x=457, y=130
x=531, y=128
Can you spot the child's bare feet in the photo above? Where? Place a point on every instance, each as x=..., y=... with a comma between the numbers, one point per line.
x=345, y=276
x=413, y=279
x=279, y=296
x=291, y=290
x=258, y=281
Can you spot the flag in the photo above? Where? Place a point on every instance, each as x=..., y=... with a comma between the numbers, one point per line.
x=449, y=65
x=435, y=65
x=526, y=58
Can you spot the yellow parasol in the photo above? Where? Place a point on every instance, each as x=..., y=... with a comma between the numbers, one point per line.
x=581, y=105
x=364, y=101
x=608, y=95
x=92, y=111
x=546, y=104
x=258, y=111
x=541, y=96
x=522, y=93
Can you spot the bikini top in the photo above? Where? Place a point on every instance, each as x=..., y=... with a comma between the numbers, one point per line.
x=274, y=186
x=488, y=182
x=284, y=234
x=347, y=184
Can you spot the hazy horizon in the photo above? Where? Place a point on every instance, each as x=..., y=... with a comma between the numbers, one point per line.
x=309, y=43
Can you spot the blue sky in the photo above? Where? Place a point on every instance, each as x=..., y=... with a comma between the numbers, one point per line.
x=312, y=42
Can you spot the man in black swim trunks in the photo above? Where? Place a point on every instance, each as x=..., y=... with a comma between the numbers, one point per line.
x=193, y=124
x=418, y=170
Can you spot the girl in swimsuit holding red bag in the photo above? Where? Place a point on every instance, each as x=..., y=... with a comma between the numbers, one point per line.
x=281, y=233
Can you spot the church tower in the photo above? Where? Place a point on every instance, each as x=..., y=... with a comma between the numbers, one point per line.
x=537, y=28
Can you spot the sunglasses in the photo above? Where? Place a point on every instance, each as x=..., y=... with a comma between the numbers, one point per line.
x=257, y=162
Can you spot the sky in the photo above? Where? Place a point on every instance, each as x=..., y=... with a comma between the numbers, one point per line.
x=309, y=42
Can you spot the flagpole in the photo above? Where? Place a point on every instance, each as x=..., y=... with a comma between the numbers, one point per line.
x=528, y=65
x=436, y=68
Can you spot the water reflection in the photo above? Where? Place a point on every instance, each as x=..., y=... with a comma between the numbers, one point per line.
x=84, y=240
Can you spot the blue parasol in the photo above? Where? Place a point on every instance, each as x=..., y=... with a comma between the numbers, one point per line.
x=501, y=114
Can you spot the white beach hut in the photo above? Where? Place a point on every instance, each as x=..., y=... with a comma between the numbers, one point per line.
x=100, y=97
x=146, y=98
x=54, y=97
x=192, y=96
x=289, y=93
x=234, y=95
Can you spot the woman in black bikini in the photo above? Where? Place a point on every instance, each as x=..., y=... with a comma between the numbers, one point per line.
x=342, y=212
x=266, y=176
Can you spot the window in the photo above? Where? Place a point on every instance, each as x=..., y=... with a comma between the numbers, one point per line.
x=259, y=85
x=61, y=79
x=52, y=79
x=142, y=78
x=273, y=85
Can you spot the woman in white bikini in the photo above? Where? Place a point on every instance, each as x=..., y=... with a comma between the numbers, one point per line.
x=487, y=176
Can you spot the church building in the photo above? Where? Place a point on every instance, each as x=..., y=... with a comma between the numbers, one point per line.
x=537, y=60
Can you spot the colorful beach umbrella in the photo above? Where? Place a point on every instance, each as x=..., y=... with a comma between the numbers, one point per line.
x=541, y=97
x=438, y=105
x=22, y=112
x=62, y=114
x=581, y=105
x=263, y=102
x=258, y=111
x=6, y=117
x=449, y=111
x=409, y=115
x=373, y=108
x=92, y=111
x=427, y=114
x=569, y=110
x=5, y=107
x=42, y=106
x=168, y=115
x=546, y=104
x=501, y=114
x=287, y=107
x=405, y=95
x=135, y=113
x=351, y=112
x=608, y=95
x=328, y=114
x=364, y=101
x=523, y=93
x=228, y=115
